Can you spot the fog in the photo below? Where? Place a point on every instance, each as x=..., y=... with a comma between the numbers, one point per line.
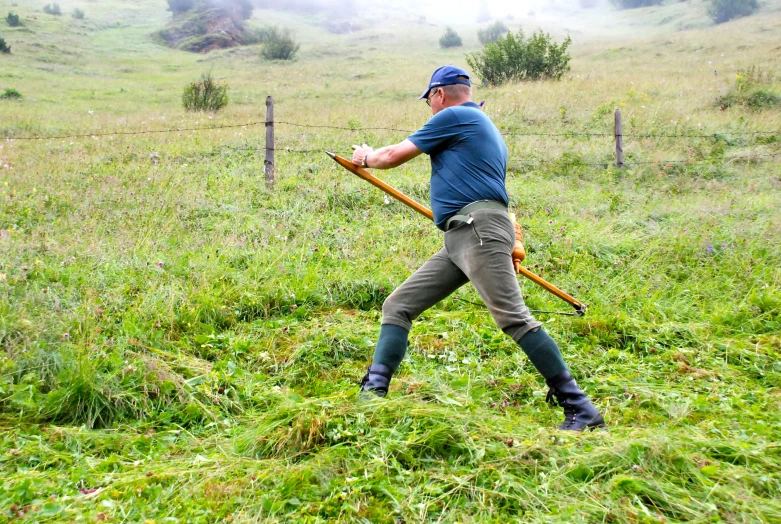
x=471, y=11
x=542, y=13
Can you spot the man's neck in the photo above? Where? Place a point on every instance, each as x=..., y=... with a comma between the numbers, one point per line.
x=457, y=103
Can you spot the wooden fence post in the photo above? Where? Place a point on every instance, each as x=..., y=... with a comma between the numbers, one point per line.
x=619, y=140
x=269, y=162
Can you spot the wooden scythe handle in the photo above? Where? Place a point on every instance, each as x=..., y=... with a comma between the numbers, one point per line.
x=518, y=253
x=373, y=180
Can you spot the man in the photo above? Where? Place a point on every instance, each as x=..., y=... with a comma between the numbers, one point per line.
x=469, y=201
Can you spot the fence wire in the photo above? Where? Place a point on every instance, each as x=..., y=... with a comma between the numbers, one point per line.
x=506, y=132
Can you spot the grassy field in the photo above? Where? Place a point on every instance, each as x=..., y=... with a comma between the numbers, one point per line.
x=181, y=343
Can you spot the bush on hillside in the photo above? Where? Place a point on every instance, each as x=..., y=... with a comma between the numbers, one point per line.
x=13, y=20
x=725, y=10
x=492, y=32
x=11, y=94
x=634, y=4
x=4, y=48
x=450, y=39
x=515, y=57
x=753, y=89
x=52, y=9
x=206, y=95
x=78, y=14
x=278, y=44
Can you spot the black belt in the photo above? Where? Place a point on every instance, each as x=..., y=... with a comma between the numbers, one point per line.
x=463, y=214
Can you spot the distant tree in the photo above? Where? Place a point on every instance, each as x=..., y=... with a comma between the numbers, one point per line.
x=278, y=44
x=4, y=48
x=13, y=20
x=633, y=4
x=52, y=9
x=725, y=10
x=450, y=39
x=78, y=14
x=515, y=57
x=244, y=8
x=239, y=9
x=492, y=32
x=180, y=6
x=588, y=4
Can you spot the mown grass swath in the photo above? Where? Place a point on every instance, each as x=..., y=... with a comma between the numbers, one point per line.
x=181, y=342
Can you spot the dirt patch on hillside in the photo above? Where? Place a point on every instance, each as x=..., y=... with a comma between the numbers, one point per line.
x=205, y=27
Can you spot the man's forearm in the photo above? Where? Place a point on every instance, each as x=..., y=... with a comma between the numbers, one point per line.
x=384, y=158
x=387, y=157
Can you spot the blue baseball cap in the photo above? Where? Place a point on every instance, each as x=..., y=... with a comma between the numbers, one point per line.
x=446, y=76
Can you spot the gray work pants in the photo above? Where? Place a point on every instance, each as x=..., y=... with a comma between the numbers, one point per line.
x=480, y=252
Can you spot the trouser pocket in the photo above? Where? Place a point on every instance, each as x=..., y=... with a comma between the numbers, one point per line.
x=491, y=225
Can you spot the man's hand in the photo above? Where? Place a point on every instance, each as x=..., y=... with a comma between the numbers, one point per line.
x=359, y=154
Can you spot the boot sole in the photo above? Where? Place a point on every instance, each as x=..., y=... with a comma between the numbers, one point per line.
x=593, y=425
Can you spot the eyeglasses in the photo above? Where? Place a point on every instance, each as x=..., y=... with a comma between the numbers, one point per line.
x=428, y=100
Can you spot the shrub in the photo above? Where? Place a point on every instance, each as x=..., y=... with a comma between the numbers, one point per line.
x=450, y=39
x=492, y=32
x=753, y=88
x=13, y=20
x=4, y=48
x=515, y=57
x=11, y=94
x=52, y=9
x=633, y=4
x=180, y=6
x=206, y=95
x=279, y=44
x=763, y=99
x=724, y=10
x=78, y=14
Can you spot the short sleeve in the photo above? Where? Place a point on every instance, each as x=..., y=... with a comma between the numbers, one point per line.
x=438, y=133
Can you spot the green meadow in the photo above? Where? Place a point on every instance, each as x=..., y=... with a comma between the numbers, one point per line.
x=182, y=343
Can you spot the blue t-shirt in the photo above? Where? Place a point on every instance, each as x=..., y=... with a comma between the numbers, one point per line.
x=468, y=159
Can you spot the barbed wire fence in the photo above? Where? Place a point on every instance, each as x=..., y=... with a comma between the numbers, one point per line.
x=271, y=147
